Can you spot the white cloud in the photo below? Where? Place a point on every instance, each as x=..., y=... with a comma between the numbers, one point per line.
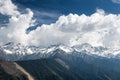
x=116, y=1
x=8, y=8
x=98, y=29
x=18, y=23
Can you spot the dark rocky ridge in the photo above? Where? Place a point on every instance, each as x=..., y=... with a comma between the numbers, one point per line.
x=70, y=67
x=62, y=66
x=12, y=71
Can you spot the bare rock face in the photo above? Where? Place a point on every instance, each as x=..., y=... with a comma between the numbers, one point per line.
x=12, y=71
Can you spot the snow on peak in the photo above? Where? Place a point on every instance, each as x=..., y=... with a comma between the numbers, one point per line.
x=12, y=48
x=20, y=50
x=99, y=51
x=55, y=47
x=7, y=51
x=66, y=49
x=84, y=46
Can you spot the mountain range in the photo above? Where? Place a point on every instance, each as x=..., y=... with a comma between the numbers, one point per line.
x=15, y=52
x=60, y=62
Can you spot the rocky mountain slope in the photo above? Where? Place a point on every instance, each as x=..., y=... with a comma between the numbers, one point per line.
x=64, y=66
x=59, y=62
x=12, y=71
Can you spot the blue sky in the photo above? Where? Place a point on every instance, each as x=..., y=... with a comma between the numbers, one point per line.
x=71, y=6
x=49, y=10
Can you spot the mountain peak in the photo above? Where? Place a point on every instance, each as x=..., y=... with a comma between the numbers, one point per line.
x=9, y=43
x=17, y=51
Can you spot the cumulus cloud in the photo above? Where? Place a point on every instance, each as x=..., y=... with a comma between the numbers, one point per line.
x=116, y=1
x=15, y=30
x=8, y=8
x=98, y=29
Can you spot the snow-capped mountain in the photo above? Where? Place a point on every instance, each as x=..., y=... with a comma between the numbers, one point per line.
x=12, y=51
x=12, y=48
